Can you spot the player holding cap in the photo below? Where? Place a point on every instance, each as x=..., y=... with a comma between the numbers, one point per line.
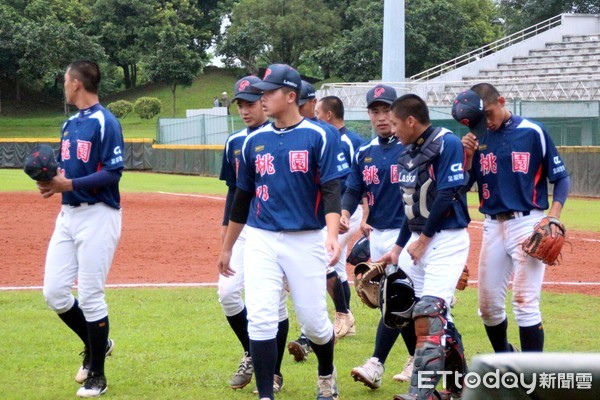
x=512, y=159
x=88, y=226
x=434, y=235
x=375, y=174
x=230, y=288
x=287, y=190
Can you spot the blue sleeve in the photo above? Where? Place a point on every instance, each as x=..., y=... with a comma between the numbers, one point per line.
x=332, y=163
x=112, y=144
x=404, y=234
x=449, y=169
x=97, y=180
x=561, y=190
x=354, y=180
x=245, y=179
x=553, y=162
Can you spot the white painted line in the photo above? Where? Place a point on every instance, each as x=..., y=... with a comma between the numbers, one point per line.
x=193, y=195
x=214, y=284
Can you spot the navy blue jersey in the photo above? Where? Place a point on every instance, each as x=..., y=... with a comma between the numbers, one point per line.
x=512, y=167
x=448, y=172
x=351, y=142
x=284, y=169
x=91, y=140
x=232, y=155
x=375, y=172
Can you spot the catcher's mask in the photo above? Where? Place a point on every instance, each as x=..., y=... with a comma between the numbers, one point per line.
x=360, y=252
x=397, y=299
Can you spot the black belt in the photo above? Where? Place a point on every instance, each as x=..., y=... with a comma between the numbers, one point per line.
x=507, y=216
x=80, y=204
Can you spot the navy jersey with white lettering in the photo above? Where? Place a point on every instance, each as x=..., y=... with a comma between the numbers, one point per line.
x=284, y=168
x=375, y=172
x=91, y=140
x=232, y=155
x=512, y=166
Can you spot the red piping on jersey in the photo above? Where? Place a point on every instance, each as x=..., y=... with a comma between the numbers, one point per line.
x=538, y=175
x=319, y=193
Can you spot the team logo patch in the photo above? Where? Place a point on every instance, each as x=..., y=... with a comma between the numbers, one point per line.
x=378, y=92
x=64, y=150
x=368, y=159
x=237, y=152
x=520, y=161
x=84, y=149
x=243, y=85
x=267, y=73
x=259, y=148
x=299, y=161
x=264, y=164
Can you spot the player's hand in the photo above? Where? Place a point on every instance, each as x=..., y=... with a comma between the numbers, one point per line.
x=58, y=184
x=365, y=229
x=333, y=250
x=391, y=257
x=224, y=266
x=470, y=143
x=344, y=224
x=417, y=248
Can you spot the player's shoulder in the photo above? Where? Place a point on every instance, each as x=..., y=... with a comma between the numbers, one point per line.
x=368, y=147
x=241, y=134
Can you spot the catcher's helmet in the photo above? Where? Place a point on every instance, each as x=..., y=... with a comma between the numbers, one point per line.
x=397, y=299
x=360, y=251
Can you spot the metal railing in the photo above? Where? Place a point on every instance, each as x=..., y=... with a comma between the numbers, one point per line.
x=488, y=49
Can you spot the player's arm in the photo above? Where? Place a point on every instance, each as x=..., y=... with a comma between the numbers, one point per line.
x=332, y=206
x=559, y=196
x=237, y=220
x=227, y=210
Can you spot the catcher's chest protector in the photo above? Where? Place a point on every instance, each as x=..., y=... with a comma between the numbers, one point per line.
x=417, y=179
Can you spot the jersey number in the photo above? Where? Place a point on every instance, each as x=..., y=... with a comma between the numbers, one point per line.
x=262, y=192
x=485, y=192
x=370, y=199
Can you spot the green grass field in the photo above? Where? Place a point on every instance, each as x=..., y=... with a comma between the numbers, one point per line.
x=174, y=343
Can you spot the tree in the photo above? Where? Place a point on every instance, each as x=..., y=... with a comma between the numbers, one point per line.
x=177, y=59
x=284, y=29
x=521, y=14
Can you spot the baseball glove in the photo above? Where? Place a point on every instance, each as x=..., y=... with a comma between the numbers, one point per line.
x=367, y=279
x=463, y=280
x=542, y=244
x=41, y=164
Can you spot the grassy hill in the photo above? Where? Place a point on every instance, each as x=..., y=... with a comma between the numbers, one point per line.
x=44, y=118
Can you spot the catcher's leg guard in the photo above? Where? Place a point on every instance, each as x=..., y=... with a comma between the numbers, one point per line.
x=430, y=322
x=454, y=360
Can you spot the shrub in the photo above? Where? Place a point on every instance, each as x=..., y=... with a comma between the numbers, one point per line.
x=120, y=108
x=147, y=107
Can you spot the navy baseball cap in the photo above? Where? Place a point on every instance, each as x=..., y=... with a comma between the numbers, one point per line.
x=243, y=89
x=307, y=92
x=382, y=94
x=278, y=76
x=468, y=110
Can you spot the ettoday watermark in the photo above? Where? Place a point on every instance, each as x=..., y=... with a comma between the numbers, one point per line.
x=509, y=380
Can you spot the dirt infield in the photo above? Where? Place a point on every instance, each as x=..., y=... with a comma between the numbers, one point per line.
x=175, y=239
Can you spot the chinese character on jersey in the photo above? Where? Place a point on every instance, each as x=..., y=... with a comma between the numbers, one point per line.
x=84, y=149
x=488, y=163
x=64, y=149
x=264, y=164
x=520, y=162
x=370, y=175
x=394, y=175
x=299, y=161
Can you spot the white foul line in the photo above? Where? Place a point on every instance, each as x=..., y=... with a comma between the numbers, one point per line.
x=193, y=195
x=214, y=284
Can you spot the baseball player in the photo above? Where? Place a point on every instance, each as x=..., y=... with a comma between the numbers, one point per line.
x=230, y=288
x=511, y=158
x=374, y=174
x=288, y=189
x=337, y=280
x=434, y=235
x=88, y=226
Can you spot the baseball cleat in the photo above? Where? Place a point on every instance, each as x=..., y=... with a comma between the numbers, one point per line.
x=299, y=348
x=277, y=384
x=370, y=373
x=327, y=387
x=406, y=373
x=243, y=376
x=344, y=325
x=94, y=386
x=82, y=374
